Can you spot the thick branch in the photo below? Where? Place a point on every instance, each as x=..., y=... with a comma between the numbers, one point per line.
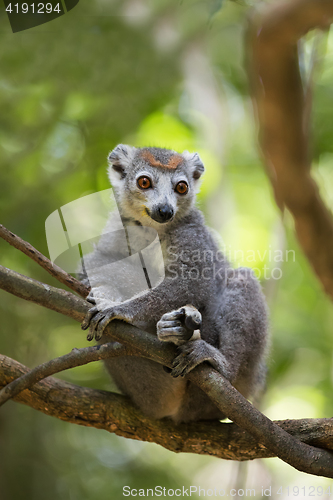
x=301, y=456
x=44, y=262
x=280, y=104
x=42, y=294
x=115, y=413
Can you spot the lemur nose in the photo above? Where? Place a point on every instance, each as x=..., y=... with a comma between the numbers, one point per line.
x=165, y=213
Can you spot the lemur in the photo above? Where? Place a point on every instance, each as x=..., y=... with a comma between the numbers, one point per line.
x=212, y=312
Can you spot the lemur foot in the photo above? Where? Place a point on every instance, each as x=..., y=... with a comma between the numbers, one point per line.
x=191, y=355
x=178, y=326
x=97, y=321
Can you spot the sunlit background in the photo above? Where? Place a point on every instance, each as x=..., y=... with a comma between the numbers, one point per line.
x=151, y=73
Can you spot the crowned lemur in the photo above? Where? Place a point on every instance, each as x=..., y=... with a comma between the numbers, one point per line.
x=212, y=312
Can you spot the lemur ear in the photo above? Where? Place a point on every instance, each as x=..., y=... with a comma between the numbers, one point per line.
x=195, y=164
x=120, y=159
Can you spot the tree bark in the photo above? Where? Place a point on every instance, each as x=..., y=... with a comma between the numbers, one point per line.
x=115, y=413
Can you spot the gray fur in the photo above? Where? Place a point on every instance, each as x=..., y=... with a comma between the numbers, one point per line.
x=199, y=284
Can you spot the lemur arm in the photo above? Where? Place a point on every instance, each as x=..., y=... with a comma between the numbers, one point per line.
x=165, y=297
x=242, y=326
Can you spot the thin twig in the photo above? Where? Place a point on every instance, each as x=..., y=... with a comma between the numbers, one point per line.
x=77, y=357
x=44, y=262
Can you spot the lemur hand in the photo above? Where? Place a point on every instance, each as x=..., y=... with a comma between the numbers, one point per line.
x=97, y=320
x=178, y=326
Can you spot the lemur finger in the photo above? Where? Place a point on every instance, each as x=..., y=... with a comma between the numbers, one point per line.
x=183, y=367
x=173, y=334
x=161, y=325
x=178, y=364
x=90, y=336
x=103, y=324
x=85, y=323
x=187, y=369
x=176, y=330
x=93, y=325
x=183, y=358
x=190, y=355
x=96, y=319
x=91, y=300
x=178, y=370
x=173, y=315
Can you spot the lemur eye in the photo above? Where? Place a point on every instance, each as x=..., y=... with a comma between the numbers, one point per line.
x=144, y=182
x=182, y=187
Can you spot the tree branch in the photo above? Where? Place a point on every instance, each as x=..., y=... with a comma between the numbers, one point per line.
x=301, y=456
x=281, y=108
x=77, y=357
x=116, y=414
x=44, y=262
x=45, y=295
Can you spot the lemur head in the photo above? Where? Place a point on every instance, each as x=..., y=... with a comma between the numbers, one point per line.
x=154, y=186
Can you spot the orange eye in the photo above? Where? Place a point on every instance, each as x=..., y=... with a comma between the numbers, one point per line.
x=144, y=182
x=182, y=187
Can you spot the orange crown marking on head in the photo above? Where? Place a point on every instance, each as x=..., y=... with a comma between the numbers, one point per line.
x=173, y=162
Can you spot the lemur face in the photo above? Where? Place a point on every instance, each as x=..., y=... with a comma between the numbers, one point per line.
x=154, y=186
